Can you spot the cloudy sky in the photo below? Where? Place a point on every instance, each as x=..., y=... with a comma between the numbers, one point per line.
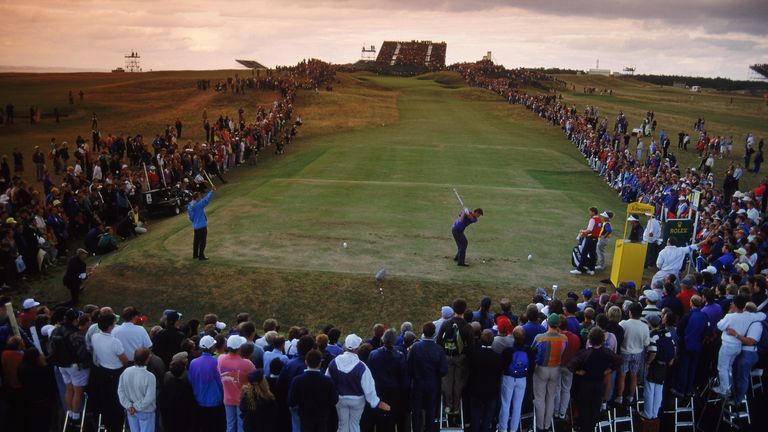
x=690, y=37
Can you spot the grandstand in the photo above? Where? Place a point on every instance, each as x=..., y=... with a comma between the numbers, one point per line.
x=414, y=53
x=761, y=69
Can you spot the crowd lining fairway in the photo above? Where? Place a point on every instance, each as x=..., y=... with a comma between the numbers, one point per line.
x=374, y=167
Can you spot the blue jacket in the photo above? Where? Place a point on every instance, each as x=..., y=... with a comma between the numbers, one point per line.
x=196, y=211
x=206, y=381
x=427, y=363
x=692, y=329
x=387, y=368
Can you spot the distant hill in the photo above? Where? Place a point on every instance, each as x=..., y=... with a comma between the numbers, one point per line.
x=47, y=69
x=718, y=83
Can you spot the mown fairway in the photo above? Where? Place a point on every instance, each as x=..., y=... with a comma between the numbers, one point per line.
x=373, y=167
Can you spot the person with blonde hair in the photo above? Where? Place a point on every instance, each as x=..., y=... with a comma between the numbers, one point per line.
x=257, y=404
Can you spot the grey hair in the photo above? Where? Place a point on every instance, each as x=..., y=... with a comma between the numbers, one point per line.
x=406, y=326
x=389, y=338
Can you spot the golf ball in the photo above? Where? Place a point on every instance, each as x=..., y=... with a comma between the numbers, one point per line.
x=483, y=261
x=344, y=245
x=530, y=257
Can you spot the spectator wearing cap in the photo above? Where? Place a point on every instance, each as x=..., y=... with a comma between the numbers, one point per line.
x=176, y=397
x=591, y=364
x=137, y=393
x=234, y=370
x=485, y=372
x=387, y=365
x=652, y=236
x=75, y=275
x=313, y=394
x=131, y=335
x=426, y=365
x=636, y=339
x=292, y=369
x=602, y=241
x=207, y=388
x=739, y=321
x=455, y=336
x=355, y=385
x=504, y=338
x=167, y=341
x=549, y=348
x=651, y=299
x=483, y=315
x=26, y=316
x=109, y=360
x=586, y=294
x=657, y=362
x=690, y=332
x=258, y=405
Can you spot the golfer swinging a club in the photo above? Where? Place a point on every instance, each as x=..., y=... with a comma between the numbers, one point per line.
x=464, y=220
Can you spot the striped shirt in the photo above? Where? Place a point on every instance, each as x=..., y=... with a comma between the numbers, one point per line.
x=549, y=348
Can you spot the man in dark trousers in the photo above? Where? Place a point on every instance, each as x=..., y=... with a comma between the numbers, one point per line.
x=313, y=394
x=465, y=219
x=196, y=212
x=178, y=125
x=455, y=337
x=426, y=366
x=485, y=368
x=589, y=250
x=75, y=275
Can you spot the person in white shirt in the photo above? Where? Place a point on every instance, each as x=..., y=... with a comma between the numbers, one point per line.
x=637, y=336
x=97, y=175
x=738, y=321
x=748, y=357
x=109, y=359
x=652, y=236
x=343, y=371
x=670, y=260
x=752, y=213
x=137, y=394
x=131, y=335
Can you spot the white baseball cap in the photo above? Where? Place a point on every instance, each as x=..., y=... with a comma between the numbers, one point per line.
x=207, y=342
x=30, y=303
x=352, y=342
x=235, y=342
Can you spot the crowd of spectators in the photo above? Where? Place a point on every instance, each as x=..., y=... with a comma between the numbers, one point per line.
x=421, y=53
x=569, y=360
x=92, y=190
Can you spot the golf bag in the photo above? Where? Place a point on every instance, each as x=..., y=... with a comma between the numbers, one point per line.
x=576, y=252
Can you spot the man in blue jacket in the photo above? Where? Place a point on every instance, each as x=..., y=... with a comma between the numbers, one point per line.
x=691, y=331
x=196, y=211
x=426, y=366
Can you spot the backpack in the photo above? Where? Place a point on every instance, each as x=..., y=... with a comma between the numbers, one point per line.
x=518, y=367
x=62, y=353
x=452, y=342
x=665, y=347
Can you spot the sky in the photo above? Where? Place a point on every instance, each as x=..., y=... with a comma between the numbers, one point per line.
x=682, y=37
